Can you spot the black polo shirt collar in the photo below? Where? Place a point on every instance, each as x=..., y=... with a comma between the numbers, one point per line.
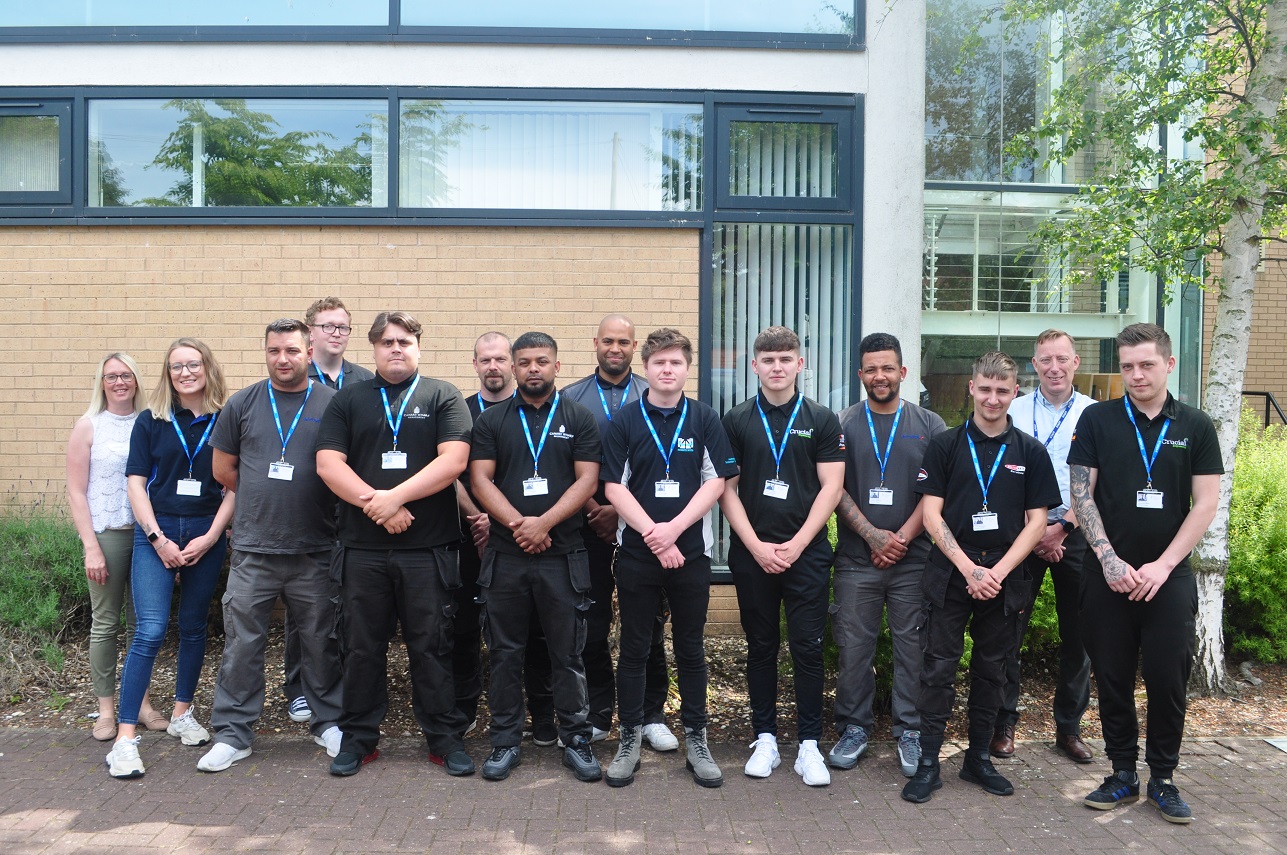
x=623, y=386
x=1006, y=436
x=1170, y=410
x=785, y=409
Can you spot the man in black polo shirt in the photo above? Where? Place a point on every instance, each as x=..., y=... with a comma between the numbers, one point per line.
x=534, y=462
x=665, y=463
x=613, y=386
x=391, y=449
x=1145, y=479
x=792, y=461
x=987, y=487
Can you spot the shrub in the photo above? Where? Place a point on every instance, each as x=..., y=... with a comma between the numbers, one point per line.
x=43, y=592
x=1255, y=613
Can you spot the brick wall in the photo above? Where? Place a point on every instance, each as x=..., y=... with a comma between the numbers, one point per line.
x=72, y=293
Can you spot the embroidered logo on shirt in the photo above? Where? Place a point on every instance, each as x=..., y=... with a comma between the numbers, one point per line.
x=561, y=433
x=1016, y=469
x=922, y=475
x=807, y=434
x=1177, y=443
x=842, y=442
x=684, y=445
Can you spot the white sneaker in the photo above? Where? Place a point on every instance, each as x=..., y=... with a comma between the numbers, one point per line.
x=187, y=730
x=330, y=740
x=123, y=760
x=810, y=766
x=221, y=756
x=766, y=757
x=298, y=709
x=659, y=737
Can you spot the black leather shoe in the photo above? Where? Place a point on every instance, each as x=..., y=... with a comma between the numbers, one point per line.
x=579, y=757
x=1073, y=748
x=978, y=769
x=1002, y=744
x=501, y=762
x=457, y=763
x=920, y=788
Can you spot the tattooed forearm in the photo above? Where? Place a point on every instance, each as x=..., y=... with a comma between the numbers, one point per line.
x=849, y=514
x=1092, y=525
x=946, y=541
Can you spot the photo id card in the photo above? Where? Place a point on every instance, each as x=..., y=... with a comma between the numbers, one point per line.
x=189, y=487
x=281, y=471
x=1151, y=499
x=667, y=490
x=880, y=496
x=985, y=521
x=776, y=489
x=393, y=460
x=536, y=487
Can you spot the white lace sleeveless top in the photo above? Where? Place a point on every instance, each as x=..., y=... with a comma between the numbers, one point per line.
x=109, y=506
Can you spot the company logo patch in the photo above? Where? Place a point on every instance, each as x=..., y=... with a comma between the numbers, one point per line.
x=561, y=433
x=922, y=475
x=807, y=434
x=1177, y=443
x=684, y=445
x=842, y=442
x=1016, y=469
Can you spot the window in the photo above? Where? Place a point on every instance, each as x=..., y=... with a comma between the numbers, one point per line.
x=554, y=155
x=35, y=147
x=195, y=13
x=786, y=159
x=238, y=152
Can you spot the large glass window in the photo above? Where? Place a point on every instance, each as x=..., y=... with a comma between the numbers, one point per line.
x=189, y=13
x=555, y=155
x=35, y=139
x=786, y=16
x=786, y=159
x=237, y=152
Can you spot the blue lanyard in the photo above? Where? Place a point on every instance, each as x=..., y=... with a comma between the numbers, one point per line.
x=482, y=402
x=192, y=456
x=996, y=464
x=674, y=440
x=272, y=399
x=603, y=402
x=786, y=434
x=388, y=414
x=339, y=378
x=1058, y=424
x=545, y=432
x=889, y=446
x=1139, y=437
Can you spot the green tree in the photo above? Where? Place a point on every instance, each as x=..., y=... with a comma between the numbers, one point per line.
x=1215, y=73
x=248, y=161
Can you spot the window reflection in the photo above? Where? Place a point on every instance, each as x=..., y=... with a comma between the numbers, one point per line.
x=191, y=13
x=784, y=16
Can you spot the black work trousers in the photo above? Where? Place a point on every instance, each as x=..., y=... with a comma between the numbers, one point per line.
x=518, y=591
x=643, y=584
x=1072, y=691
x=380, y=590
x=803, y=589
x=1155, y=639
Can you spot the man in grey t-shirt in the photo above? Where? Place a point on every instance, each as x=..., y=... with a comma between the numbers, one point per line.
x=283, y=534
x=881, y=553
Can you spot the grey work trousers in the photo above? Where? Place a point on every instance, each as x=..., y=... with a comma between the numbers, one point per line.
x=860, y=595
x=255, y=581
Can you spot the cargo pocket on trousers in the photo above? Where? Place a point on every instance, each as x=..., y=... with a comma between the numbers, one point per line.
x=583, y=604
x=837, y=628
x=579, y=571
x=448, y=560
x=1018, y=590
x=336, y=574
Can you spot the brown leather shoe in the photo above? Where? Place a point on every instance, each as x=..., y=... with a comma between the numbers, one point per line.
x=1002, y=744
x=1072, y=746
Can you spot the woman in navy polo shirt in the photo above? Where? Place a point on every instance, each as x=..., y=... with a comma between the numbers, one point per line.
x=181, y=515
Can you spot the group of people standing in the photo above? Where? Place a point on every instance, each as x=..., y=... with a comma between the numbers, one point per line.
x=512, y=513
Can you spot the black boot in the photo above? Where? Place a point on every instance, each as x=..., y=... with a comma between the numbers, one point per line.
x=978, y=769
x=922, y=785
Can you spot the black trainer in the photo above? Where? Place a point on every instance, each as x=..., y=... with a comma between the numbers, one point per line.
x=978, y=769
x=544, y=733
x=579, y=757
x=501, y=762
x=1120, y=788
x=1163, y=793
x=457, y=763
x=922, y=785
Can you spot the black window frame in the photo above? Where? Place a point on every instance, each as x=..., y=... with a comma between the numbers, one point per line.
x=62, y=110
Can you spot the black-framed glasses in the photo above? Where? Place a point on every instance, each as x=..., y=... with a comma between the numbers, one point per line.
x=332, y=329
x=193, y=367
x=123, y=377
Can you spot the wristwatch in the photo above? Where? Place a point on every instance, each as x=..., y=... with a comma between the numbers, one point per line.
x=1069, y=527
x=154, y=536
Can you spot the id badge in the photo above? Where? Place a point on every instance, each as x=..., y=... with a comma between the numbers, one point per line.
x=1151, y=499
x=192, y=487
x=536, y=487
x=667, y=490
x=776, y=489
x=985, y=521
x=880, y=496
x=393, y=460
x=281, y=471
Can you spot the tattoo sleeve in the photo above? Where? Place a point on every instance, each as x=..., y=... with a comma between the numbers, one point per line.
x=1091, y=523
x=946, y=541
x=849, y=514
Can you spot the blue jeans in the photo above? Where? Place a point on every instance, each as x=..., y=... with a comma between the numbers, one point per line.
x=152, y=585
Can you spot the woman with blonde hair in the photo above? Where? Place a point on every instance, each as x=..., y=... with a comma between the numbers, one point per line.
x=100, y=509
x=181, y=515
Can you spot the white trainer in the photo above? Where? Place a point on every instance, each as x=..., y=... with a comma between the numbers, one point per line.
x=659, y=737
x=187, y=730
x=123, y=760
x=766, y=757
x=810, y=766
x=221, y=756
x=330, y=740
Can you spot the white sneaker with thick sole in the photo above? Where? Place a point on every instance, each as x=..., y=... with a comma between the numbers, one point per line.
x=766, y=757
x=123, y=760
x=187, y=730
x=810, y=766
x=659, y=737
x=221, y=756
x=330, y=740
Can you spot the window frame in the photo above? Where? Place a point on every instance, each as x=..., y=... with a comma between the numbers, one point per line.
x=62, y=110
